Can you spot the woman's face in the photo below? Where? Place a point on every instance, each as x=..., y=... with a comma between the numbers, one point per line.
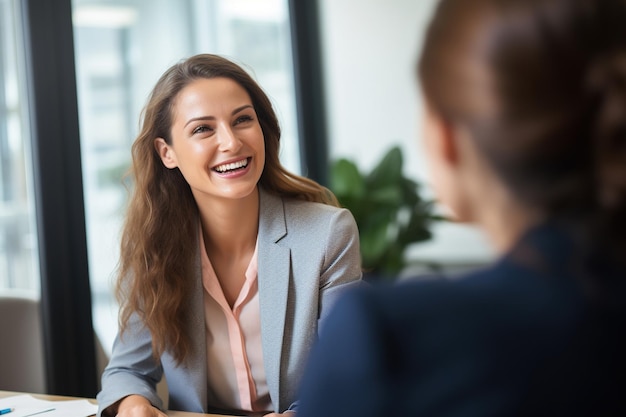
x=217, y=141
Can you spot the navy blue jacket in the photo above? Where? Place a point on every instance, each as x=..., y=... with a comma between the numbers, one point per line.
x=529, y=335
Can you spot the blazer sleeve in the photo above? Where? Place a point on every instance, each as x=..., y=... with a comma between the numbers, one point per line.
x=342, y=262
x=341, y=266
x=132, y=369
x=339, y=269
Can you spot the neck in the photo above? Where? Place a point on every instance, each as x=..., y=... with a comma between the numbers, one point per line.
x=230, y=226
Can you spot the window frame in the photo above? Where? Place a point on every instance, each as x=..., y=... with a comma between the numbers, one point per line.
x=69, y=345
x=66, y=302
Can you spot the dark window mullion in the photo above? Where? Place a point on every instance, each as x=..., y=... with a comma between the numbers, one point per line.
x=66, y=297
x=305, y=40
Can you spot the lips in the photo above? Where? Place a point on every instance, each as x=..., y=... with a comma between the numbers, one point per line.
x=232, y=166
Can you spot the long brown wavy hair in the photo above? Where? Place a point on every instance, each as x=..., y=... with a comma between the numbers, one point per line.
x=158, y=245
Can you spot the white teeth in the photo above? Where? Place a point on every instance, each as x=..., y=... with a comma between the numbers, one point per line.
x=233, y=165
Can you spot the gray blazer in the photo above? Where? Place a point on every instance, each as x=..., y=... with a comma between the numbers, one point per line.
x=308, y=253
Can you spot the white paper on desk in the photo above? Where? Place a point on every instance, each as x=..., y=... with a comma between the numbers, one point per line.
x=26, y=405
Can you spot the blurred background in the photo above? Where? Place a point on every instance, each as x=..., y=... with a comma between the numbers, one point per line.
x=74, y=76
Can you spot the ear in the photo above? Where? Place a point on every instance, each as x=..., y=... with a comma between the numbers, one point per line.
x=167, y=154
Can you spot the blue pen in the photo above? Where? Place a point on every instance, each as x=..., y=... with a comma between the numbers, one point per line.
x=5, y=411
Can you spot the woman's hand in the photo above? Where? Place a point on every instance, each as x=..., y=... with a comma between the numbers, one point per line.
x=285, y=414
x=137, y=406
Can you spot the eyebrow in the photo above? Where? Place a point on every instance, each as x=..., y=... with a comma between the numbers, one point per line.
x=237, y=110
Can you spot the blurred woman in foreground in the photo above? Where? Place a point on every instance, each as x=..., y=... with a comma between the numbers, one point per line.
x=526, y=138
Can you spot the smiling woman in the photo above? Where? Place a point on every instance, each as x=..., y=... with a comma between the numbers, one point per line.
x=121, y=49
x=216, y=141
x=229, y=262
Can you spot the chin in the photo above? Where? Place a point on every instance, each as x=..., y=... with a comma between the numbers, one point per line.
x=238, y=193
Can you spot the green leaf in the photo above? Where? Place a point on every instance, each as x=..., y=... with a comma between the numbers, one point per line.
x=410, y=191
x=390, y=196
x=388, y=171
x=388, y=209
x=346, y=180
x=374, y=242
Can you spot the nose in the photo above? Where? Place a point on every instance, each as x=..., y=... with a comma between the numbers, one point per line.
x=228, y=141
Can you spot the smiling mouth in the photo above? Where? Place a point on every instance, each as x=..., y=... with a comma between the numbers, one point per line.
x=232, y=167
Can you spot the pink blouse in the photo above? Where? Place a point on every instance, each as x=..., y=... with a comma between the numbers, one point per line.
x=236, y=375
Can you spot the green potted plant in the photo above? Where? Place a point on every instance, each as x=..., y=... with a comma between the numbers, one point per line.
x=388, y=209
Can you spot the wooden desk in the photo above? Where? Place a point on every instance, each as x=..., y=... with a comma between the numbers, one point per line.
x=4, y=394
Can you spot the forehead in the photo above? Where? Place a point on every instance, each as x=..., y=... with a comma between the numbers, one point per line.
x=211, y=94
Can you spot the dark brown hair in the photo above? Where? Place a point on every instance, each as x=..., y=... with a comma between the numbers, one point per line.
x=541, y=84
x=158, y=241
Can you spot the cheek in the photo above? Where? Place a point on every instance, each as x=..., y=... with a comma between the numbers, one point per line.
x=194, y=159
x=451, y=194
x=258, y=142
x=439, y=180
x=195, y=151
x=434, y=164
x=441, y=176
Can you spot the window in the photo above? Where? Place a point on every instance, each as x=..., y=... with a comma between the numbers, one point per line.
x=18, y=242
x=121, y=49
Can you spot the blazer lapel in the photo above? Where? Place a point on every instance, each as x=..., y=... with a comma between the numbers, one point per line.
x=273, y=281
x=197, y=365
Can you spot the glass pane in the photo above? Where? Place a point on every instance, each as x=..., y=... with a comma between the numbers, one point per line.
x=122, y=48
x=18, y=243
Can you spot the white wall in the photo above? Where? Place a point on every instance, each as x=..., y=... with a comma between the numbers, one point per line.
x=369, y=49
